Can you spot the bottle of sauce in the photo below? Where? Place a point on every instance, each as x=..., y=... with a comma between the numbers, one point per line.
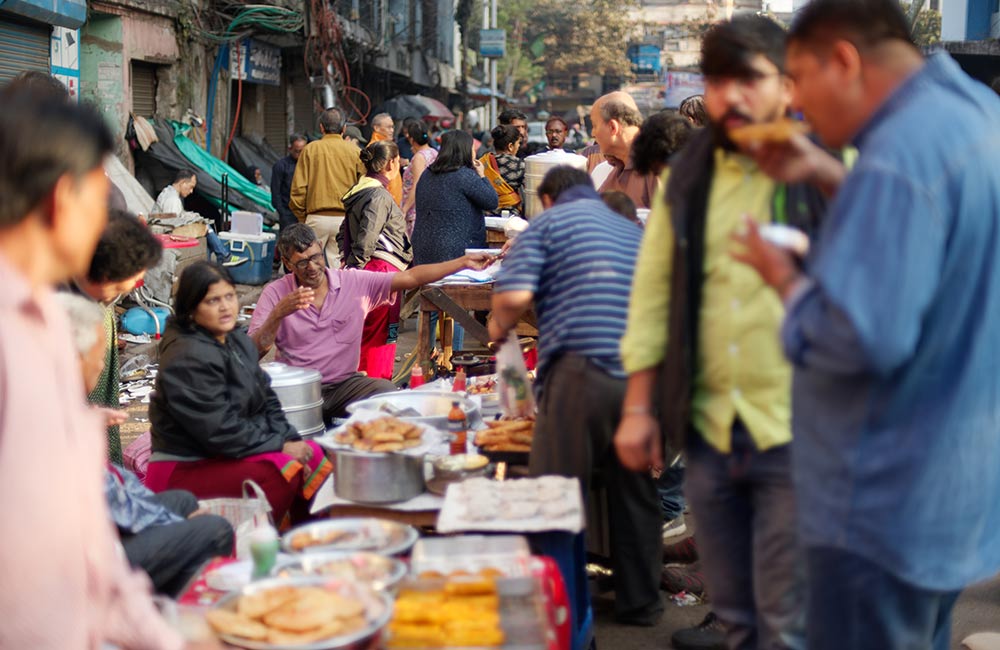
x=457, y=428
x=416, y=376
x=459, y=385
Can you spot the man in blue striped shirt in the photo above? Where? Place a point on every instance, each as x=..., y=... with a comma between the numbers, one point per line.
x=575, y=263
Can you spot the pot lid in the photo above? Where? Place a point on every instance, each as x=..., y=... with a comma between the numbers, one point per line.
x=283, y=375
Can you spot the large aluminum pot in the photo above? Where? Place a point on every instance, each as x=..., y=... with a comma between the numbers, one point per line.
x=376, y=477
x=300, y=392
x=535, y=168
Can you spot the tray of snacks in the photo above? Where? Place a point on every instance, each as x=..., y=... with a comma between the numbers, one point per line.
x=506, y=441
x=378, y=571
x=469, y=611
x=351, y=535
x=304, y=613
x=521, y=506
x=506, y=556
x=485, y=390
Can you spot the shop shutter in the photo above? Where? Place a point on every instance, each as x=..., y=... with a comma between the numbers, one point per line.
x=23, y=46
x=275, y=124
x=143, y=89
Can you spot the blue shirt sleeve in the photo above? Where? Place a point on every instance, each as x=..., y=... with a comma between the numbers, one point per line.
x=875, y=277
x=133, y=506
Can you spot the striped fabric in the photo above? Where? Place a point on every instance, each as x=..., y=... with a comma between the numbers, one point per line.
x=577, y=258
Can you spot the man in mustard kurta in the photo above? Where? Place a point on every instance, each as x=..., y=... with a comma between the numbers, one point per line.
x=326, y=170
x=702, y=349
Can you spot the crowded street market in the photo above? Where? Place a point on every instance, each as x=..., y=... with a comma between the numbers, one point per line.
x=716, y=374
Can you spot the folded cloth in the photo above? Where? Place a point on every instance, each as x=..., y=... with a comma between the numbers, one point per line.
x=317, y=468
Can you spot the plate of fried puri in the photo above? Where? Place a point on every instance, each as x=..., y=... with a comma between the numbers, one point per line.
x=379, y=433
x=301, y=613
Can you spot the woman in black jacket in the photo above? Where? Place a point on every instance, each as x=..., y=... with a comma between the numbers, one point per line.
x=215, y=419
x=373, y=238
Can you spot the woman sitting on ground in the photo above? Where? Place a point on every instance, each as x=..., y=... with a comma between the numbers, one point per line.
x=215, y=419
x=373, y=238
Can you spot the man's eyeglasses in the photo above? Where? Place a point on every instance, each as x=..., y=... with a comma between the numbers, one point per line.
x=303, y=265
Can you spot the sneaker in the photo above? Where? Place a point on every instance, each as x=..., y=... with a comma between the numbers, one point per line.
x=707, y=635
x=674, y=527
x=675, y=578
x=234, y=260
x=682, y=552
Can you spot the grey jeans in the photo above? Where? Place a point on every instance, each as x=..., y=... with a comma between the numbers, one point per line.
x=172, y=554
x=744, y=513
x=337, y=396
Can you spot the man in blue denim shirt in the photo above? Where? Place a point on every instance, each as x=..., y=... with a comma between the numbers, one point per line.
x=894, y=333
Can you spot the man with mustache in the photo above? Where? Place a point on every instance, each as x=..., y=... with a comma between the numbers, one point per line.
x=705, y=364
x=315, y=315
x=892, y=329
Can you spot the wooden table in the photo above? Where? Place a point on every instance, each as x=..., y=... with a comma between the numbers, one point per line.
x=455, y=301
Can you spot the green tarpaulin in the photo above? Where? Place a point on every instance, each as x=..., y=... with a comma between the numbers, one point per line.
x=216, y=168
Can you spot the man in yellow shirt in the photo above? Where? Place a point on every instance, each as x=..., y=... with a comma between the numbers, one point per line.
x=326, y=170
x=702, y=350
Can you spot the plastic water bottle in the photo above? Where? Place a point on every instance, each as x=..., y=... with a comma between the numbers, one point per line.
x=264, y=550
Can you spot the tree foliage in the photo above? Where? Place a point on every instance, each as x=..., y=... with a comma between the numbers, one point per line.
x=925, y=24
x=556, y=37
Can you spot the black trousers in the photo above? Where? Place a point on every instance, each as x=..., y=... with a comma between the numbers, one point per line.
x=174, y=553
x=357, y=387
x=578, y=414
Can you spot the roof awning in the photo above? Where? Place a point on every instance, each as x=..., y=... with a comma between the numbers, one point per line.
x=61, y=13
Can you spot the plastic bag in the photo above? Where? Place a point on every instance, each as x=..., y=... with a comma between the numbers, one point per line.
x=244, y=514
x=513, y=385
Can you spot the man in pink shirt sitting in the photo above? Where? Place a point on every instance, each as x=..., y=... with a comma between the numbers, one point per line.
x=315, y=315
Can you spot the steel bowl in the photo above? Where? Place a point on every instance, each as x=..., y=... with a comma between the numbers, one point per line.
x=369, y=477
x=432, y=406
x=378, y=607
x=356, y=534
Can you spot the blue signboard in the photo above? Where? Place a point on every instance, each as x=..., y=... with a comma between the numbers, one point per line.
x=258, y=63
x=645, y=59
x=493, y=43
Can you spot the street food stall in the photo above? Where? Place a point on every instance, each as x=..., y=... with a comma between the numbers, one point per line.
x=415, y=545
